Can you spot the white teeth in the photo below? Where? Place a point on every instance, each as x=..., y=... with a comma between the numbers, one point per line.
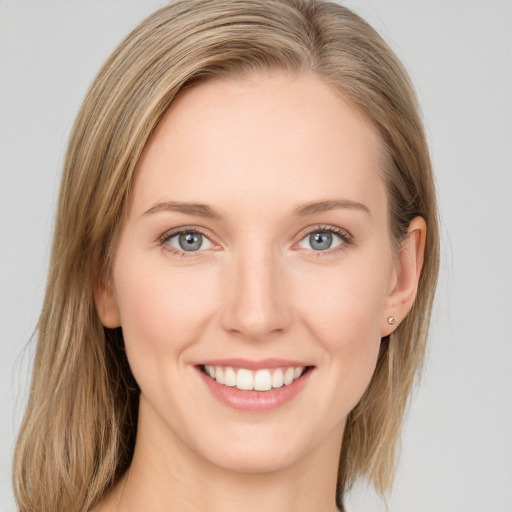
x=288, y=376
x=244, y=380
x=230, y=377
x=261, y=380
x=277, y=378
x=219, y=375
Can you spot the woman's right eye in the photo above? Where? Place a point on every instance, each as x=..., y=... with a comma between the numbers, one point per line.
x=187, y=240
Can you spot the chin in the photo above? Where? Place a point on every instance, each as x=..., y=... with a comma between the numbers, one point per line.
x=254, y=459
x=257, y=448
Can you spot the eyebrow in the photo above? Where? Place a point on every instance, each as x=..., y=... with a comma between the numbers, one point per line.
x=201, y=210
x=302, y=210
x=325, y=206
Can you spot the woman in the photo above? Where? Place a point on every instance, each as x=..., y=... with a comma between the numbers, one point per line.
x=243, y=268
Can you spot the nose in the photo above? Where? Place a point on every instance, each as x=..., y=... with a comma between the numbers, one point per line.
x=256, y=306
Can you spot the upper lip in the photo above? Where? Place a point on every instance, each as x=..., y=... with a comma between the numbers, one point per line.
x=252, y=364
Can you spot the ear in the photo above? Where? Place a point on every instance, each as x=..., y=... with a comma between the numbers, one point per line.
x=404, y=282
x=106, y=303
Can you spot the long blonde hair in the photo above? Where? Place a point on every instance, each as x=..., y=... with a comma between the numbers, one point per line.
x=78, y=432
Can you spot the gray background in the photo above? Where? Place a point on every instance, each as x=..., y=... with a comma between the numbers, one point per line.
x=457, y=442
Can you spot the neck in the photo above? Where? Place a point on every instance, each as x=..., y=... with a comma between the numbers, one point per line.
x=166, y=475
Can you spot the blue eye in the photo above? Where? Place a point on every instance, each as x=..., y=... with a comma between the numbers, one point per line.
x=189, y=241
x=323, y=239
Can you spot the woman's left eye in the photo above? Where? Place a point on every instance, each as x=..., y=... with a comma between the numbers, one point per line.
x=323, y=239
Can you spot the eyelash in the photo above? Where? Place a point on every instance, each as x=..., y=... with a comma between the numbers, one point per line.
x=346, y=239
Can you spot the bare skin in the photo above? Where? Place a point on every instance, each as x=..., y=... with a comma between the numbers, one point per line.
x=262, y=282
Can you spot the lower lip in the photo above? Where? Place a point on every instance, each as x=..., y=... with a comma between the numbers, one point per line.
x=255, y=401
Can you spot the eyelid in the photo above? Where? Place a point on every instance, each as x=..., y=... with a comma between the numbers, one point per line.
x=326, y=227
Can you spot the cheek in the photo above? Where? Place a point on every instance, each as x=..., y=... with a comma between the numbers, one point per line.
x=162, y=312
x=346, y=305
x=344, y=314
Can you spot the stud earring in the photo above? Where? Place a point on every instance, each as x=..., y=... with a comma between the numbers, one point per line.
x=391, y=320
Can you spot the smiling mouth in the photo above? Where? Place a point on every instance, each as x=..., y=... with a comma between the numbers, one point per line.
x=255, y=380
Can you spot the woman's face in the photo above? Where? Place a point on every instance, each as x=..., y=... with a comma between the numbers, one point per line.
x=255, y=242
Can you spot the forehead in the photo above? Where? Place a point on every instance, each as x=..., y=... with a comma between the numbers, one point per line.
x=277, y=139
